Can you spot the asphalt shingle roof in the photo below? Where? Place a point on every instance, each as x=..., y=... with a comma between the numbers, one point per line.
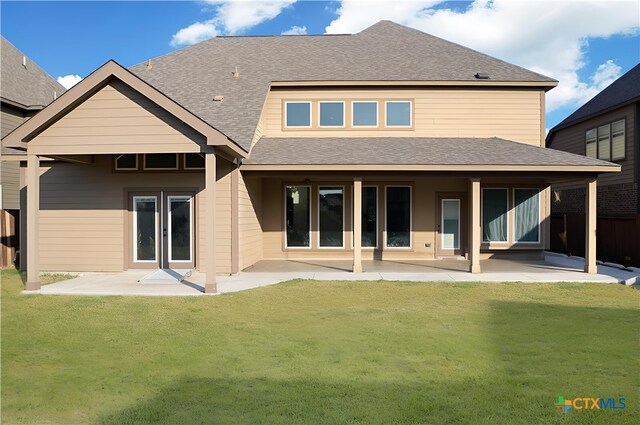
x=408, y=151
x=27, y=85
x=382, y=52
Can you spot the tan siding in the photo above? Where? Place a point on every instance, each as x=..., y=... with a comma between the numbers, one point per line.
x=572, y=139
x=83, y=216
x=117, y=119
x=510, y=114
x=10, y=118
x=249, y=211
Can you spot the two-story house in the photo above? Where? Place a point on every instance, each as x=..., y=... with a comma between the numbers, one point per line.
x=25, y=89
x=606, y=127
x=389, y=144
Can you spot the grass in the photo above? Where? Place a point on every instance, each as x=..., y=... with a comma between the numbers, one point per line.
x=322, y=352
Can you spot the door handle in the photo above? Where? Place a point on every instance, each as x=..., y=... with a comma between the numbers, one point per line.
x=164, y=232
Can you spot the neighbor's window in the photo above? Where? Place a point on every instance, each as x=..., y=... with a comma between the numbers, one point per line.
x=364, y=114
x=331, y=216
x=193, y=161
x=127, y=161
x=161, y=161
x=607, y=142
x=297, y=114
x=527, y=215
x=398, y=113
x=331, y=114
x=298, y=208
x=398, y=216
x=494, y=215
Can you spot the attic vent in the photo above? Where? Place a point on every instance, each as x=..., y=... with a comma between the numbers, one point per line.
x=482, y=76
x=218, y=98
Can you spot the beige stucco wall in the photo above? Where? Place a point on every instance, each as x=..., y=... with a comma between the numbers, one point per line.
x=83, y=214
x=512, y=114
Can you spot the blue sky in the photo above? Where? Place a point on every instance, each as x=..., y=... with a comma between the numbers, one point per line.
x=583, y=44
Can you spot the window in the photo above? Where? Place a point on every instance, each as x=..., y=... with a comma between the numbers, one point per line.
x=297, y=114
x=193, y=161
x=161, y=161
x=331, y=114
x=398, y=114
x=398, y=216
x=606, y=142
x=364, y=114
x=527, y=215
x=494, y=215
x=331, y=217
x=127, y=161
x=298, y=210
x=369, y=220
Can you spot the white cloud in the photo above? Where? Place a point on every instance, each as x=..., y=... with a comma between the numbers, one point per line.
x=547, y=37
x=295, y=30
x=230, y=17
x=69, y=81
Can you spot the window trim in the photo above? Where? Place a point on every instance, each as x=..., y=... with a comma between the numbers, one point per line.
x=169, y=228
x=353, y=215
x=624, y=140
x=386, y=215
x=284, y=217
x=597, y=141
x=386, y=114
x=377, y=125
x=507, y=213
x=308, y=102
x=513, y=236
x=344, y=232
x=344, y=114
x=184, y=161
x=144, y=162
x=115, y=165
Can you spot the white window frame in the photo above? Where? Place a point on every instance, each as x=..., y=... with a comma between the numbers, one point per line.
x=190, y=199
x=442, y=223
x=144, y=162
x=377, y=114
x=344, y=114
x=284, y=216
x=353, y=215
x=508, y=213
x=513, y=235
x=127, y=169
x=135, y=228
x=344, y=233
x=398, y=248
x=624, y=140
x=287, y=102
x=184, y=161
x=386, y=114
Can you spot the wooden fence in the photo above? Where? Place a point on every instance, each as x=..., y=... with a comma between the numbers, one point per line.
x=8, y=237
x=617, y=238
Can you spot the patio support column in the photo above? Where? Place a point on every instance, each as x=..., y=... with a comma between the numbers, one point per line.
x=235, y=220
x=590, y=228
x=33, y=212
x=357, y=225
x=210, y=220
x=474, y=225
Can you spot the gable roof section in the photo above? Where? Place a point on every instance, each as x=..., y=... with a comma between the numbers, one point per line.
x=27, y=86
x=384, y=52
x=414, y=153
x=98, y=79
x=624, y=90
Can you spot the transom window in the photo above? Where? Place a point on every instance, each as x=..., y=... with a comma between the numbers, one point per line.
x=398, y=113
x=607, y=141
x=331, y=114
x=127, y=162
x=364, y=114
x=298, y=114
x=193, y=161
x=161, y=161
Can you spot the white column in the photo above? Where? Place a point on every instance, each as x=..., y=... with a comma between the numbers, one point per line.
x=33, y=212
x=357, y=225
x=590, y=227
x=474, y=225
x=210, y=220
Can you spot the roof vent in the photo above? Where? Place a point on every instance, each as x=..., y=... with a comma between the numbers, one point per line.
x=149, y=64
x=24, y=61
x=218, y=98
x=236, y=73
x=482, y=76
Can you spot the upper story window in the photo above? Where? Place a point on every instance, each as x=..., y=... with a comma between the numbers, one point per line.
x=331, y=114
x=607, y=141
x=398, y=113
x=364, y=114
x=297, y=114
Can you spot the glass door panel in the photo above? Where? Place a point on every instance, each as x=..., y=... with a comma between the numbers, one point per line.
x=145, y=229
x=180, y=226
x=450, y=223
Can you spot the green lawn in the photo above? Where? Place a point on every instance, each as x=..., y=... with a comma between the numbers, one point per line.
x=323, y=352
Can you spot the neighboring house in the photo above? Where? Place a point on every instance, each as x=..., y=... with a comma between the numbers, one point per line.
x=389, y=144
x=24, y=90
x=606, y=127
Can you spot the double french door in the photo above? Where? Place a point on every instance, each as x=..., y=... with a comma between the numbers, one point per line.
x=162, y=229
